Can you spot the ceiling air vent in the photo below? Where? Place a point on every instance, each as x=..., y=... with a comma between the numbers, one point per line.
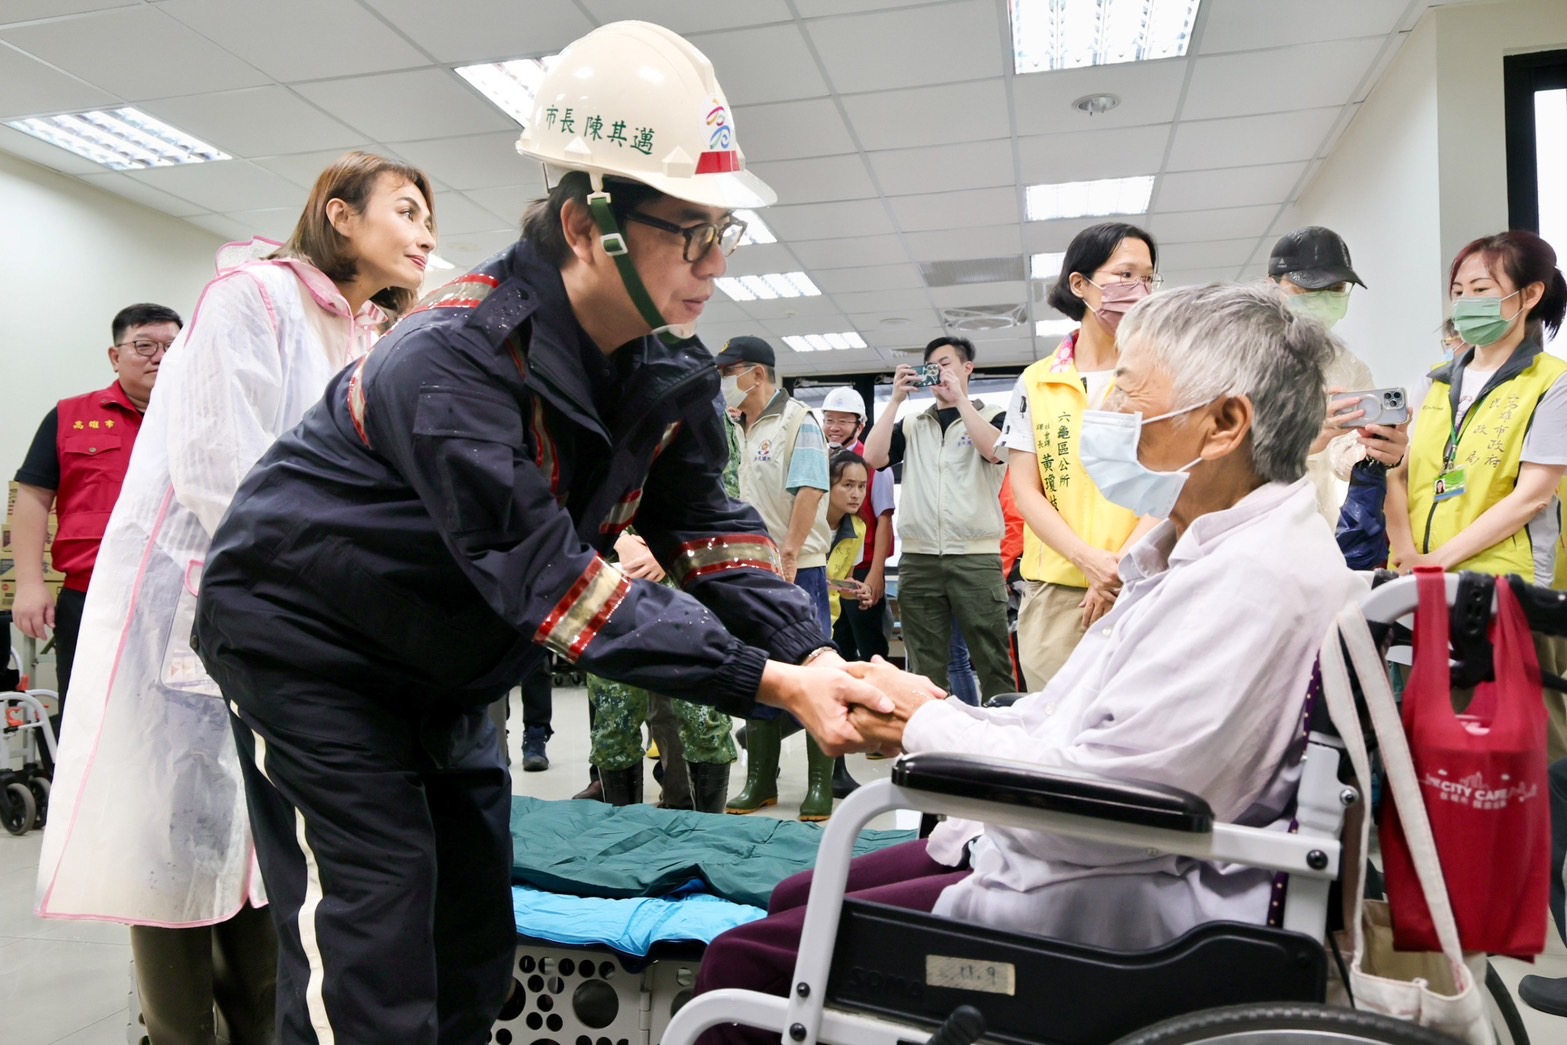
x=978, y=318
x=976, y=270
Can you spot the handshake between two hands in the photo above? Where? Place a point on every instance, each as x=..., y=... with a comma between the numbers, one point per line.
x=858, y=706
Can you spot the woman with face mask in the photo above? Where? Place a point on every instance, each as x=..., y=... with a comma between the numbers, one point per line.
x=1488, y=447
x=1074, y=537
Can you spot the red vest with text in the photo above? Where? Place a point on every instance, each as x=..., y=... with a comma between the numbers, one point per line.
x=97, y=431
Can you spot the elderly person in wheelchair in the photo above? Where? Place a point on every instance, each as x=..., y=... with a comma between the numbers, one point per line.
x=1197, y=679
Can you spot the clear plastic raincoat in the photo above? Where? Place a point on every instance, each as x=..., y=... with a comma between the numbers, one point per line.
x=148, y=823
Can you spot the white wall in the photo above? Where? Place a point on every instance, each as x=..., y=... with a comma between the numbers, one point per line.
x=1421, y=170
x=70, y=258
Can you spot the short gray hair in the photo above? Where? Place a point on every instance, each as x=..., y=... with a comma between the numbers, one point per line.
x=1218, y=340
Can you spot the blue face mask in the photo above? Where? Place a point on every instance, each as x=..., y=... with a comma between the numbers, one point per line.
x=1108, y=449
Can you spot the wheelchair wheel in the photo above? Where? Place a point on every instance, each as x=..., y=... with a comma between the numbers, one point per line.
x=39, y=786
x=17, y=809
x=1281, y=1023
x=1502, y=1011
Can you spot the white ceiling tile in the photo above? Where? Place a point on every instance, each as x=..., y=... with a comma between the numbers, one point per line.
x=1054, y=236
x=255, y=121
x=146, y=195
x=1249, y=140
x=943, y=168
x=959, y=112
x=271, y=222
x=869, y=277
x=45, y=155
x=1195, y=277
x=787, y=308
x=1111, y=152
x=940, y=43
x=884, y=300
x=507, y=201
x=1222, y=223
x=299, y=39
x=222, y=225
x=973, y=295
x=474, y=248
x=408, y=106
x=28, y=87
x=135, y=52
x=844, y=253
x=457, y=216
x=1213, y=254
x=823, y=8
x=791, y=130
x=828, y=220
x=477, y=161
x=228, y=185
x=911, y=328
x=1244, y=25
x=25, y=10
x=1230, y=187
x=1304, y=77
x=487, y=30
x=950, y=244
x=303, y=168
x=767, y=64
x=755, y=259
x=694, y=16
x=961, y=209
x=1149, y=93
x=817, y=179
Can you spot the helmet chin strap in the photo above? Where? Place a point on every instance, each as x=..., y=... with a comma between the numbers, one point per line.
x=614, y=243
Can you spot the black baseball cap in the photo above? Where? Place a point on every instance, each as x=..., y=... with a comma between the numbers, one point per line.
x=1312, y=257
x=746, y=349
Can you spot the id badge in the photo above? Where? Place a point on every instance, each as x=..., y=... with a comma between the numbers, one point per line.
x=1450, y=484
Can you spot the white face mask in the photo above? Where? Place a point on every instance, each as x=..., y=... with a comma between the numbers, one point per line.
x=1108, y=449
x=734, y=395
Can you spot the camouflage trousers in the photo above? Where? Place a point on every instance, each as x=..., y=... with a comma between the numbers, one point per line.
x=619, y=711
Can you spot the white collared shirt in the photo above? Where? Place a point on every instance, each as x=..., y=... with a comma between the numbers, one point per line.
x=1196, y=679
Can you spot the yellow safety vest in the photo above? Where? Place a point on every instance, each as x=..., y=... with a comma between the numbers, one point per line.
x=1056, y=402
x=1560, y=580
x=1490, y=448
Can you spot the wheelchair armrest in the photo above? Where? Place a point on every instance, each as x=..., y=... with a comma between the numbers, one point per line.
x=1058, y=790
x=1004, y=700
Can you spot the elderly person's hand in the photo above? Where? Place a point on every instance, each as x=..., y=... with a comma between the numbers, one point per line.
x=1096, y=604
x=908, y=693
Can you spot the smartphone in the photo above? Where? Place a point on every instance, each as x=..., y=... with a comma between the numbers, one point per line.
x=929, y=374
x=847, y=587
x=1382, y=406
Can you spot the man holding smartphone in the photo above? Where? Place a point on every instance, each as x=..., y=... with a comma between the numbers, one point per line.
x=951, y=522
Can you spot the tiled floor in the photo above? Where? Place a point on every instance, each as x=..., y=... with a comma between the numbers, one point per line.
x=66, y=983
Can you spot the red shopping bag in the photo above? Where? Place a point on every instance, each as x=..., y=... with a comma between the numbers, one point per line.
x=1482, y=776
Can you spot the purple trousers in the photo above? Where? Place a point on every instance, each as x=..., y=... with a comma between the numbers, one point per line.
x=760, y=956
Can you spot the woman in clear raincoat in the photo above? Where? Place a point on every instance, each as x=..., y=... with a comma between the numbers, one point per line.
x=148, y=824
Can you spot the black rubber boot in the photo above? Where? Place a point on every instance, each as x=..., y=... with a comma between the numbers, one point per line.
x=843, y=785
x=709, y=785
x=622, y=787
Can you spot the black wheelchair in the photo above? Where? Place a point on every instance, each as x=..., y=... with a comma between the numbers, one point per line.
x=868, y=974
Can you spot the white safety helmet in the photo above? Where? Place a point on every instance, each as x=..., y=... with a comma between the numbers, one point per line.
x=634, y=100
x=845, y=400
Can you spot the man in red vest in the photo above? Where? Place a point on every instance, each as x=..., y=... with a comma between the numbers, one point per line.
x=75, y=466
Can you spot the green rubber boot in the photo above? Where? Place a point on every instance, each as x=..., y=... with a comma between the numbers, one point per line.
x=761, y=769
x=817, y=804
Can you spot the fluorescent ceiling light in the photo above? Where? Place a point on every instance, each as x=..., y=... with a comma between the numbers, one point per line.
x=756, y=230
x=824, y=342
x=1054, y=327
x=510, y=86
x=1070, y=34
x=767, y=287
x=1045, y=266
x=1089, y=199
x=120, y=139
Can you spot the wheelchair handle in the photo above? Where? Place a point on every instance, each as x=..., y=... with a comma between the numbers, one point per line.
x=965, y=1026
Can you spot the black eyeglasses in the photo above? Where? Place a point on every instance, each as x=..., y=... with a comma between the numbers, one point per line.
x=144, y=347
x=699, y=238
